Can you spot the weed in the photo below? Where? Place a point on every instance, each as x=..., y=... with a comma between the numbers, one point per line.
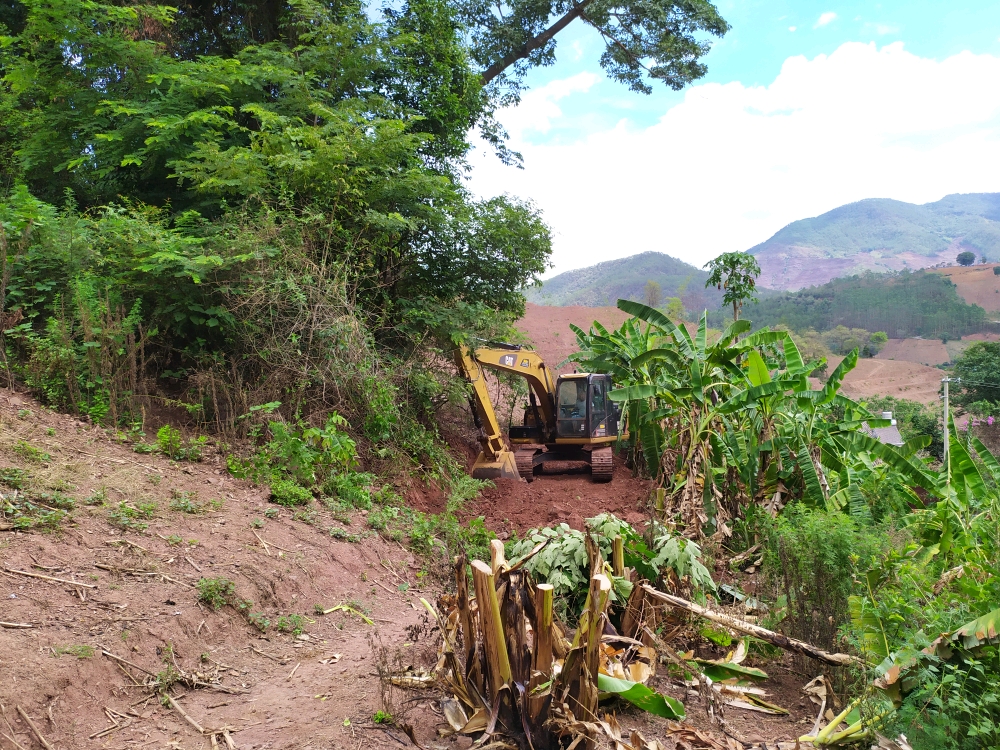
x=306, y=516
x=381, y=717
x=171, y=444
x=30, y=453
x=80, y=651
x=169, y=441
x=186, y=501
x=289, y=494
x=130, y=518
x=338, y=533
x=141, y=447
x=257, y=523
x=53, y=500
x=259, y=620
x=290, y=624
x=353, y=489
x=173, y=540
x=16, y=479
x=216, y=592
x=97, y=497
x=155, y=479
x=50, y=431
x=271, y=513
x=23, y=413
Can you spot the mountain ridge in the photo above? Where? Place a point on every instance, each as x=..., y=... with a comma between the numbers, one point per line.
x=875, y=234
x=605, y=283
x=880, y=235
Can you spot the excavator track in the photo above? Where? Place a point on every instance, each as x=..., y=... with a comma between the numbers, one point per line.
x=601, y=465
x=525, y=460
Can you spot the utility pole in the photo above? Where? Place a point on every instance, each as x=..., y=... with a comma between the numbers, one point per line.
x=947, y=436
x=944, y=383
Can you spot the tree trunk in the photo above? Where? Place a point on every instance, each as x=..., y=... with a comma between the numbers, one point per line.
x=534, y=43
x=775, y=639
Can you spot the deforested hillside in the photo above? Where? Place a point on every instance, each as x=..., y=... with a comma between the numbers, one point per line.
x=880, y=235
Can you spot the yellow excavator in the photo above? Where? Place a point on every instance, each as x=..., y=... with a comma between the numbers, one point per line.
x=571, y=419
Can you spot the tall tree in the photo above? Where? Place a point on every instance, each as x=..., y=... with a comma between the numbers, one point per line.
x=736, y=273
x=645, y=40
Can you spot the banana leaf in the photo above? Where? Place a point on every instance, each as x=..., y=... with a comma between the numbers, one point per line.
x=726, y=670
x=642, y=697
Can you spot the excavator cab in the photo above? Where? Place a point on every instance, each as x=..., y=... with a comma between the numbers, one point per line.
x=583, y=410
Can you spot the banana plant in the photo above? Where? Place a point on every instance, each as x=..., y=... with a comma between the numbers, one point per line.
x=734, y=421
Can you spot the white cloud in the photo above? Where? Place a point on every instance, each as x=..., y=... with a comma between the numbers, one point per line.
x=538, y=107
x=791, y=28
x=825, y=18
x=732, y=164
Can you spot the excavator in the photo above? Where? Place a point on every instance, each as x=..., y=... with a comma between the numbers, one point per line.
x=572, y=417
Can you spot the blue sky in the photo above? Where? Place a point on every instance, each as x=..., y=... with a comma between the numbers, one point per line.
x=863, y=81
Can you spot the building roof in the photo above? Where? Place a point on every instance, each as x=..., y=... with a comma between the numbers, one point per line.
x=888, y=435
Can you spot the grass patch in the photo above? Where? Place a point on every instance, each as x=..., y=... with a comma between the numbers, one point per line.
x=288, y=493
x=80, y=651
x=30, y=453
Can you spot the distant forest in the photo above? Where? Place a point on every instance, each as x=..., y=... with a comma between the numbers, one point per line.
x=903, y=305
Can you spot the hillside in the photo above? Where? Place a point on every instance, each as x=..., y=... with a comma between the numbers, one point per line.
x=977, y=285
x=880, y=235
x=625, y=278
x=903, y=305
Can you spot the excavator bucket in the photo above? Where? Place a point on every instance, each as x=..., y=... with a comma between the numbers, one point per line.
x=503, y=468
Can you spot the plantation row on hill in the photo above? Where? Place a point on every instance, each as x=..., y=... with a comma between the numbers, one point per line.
x=903, y=305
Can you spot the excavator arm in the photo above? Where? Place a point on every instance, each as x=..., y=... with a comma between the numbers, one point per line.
x=497, y=460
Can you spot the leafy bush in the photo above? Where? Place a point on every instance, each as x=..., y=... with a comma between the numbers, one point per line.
x=290, y=624
x=812, y=558
x=216, y=592
x=288, y=493
x=563, y=561
x=352, y=488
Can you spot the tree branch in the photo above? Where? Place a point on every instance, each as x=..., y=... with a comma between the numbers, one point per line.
x=534, y=43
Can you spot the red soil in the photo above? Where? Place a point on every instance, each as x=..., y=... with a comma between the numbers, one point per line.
x=921, y=351
x=548, y=329
x=977, y=285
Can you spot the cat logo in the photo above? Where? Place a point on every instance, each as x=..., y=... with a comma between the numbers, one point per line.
x=525, y=363
x=508, y=360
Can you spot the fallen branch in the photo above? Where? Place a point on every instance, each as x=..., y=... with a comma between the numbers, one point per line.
x=184, y=713
x=118, y=460
x=15, y=625
x=125, y=661
x=270, y=544
x=34, y=729
x=49, y=578
x=775, y=639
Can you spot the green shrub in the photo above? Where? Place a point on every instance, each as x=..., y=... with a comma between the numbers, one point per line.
x=216, y=592
x=289, y=494
x=290, y=624
x=812, y=559
x=353, y=488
